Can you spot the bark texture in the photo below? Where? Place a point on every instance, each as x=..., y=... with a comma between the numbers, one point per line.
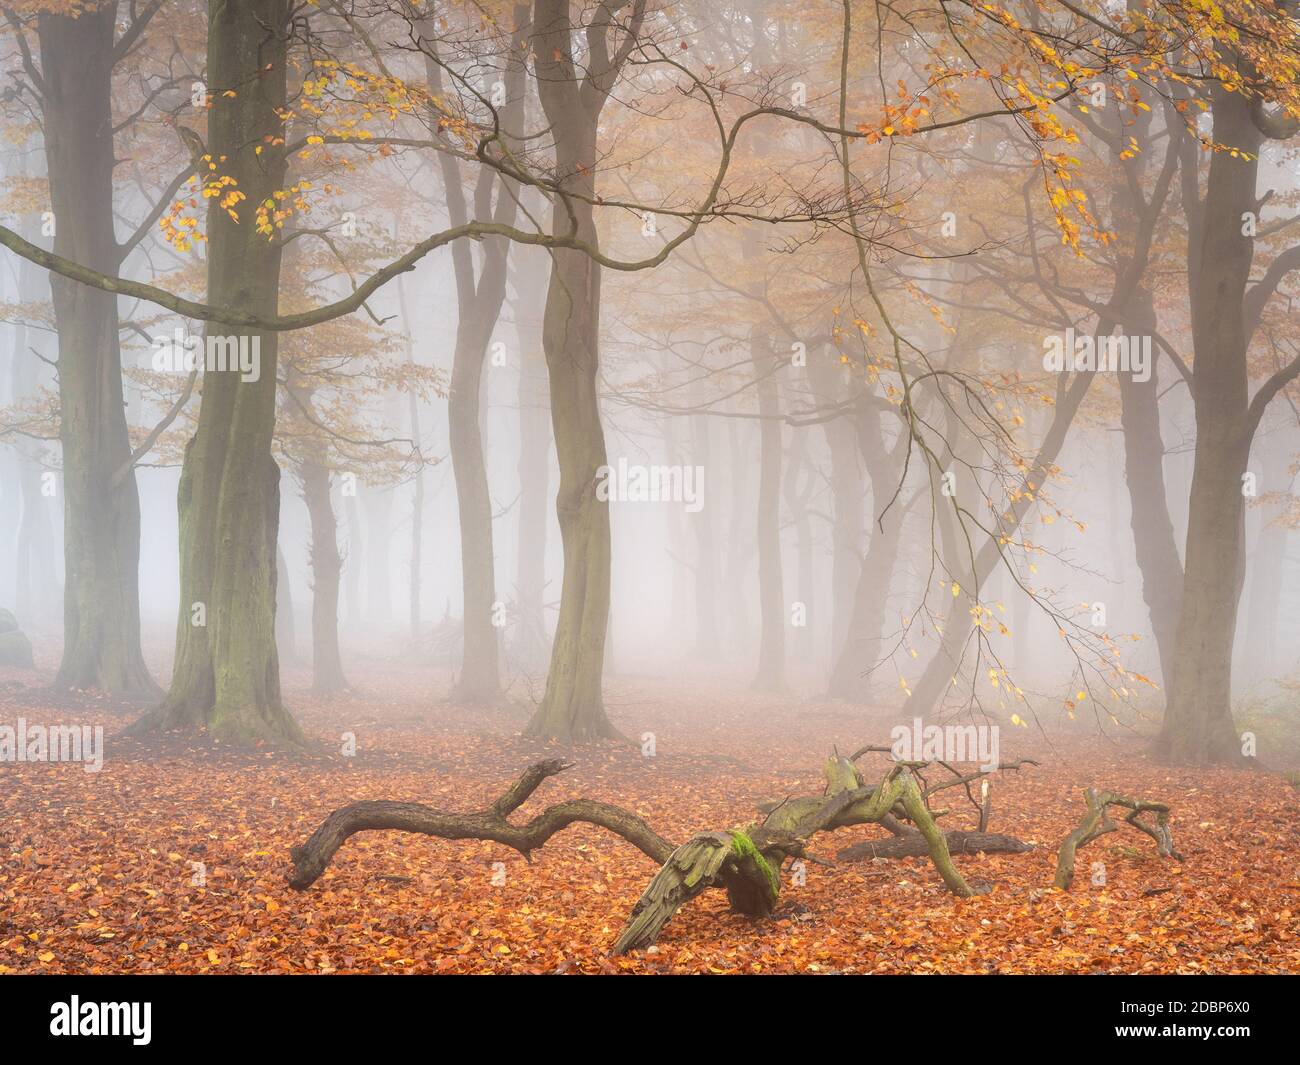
x=227, y=676
x=572, y=708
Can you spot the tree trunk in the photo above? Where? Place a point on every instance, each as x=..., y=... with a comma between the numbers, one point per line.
x=863, y=647
x=227, y=676
x=572, y=709
x=1198, y=726
x=706, y=554
x=286, y=630
x=770, y=675
x=378, y=515
x=534, y=466
x=352, y=562
x=417, y=497
x=326, y=568
x=847, y=502
x=796, y=502
x=479, y=297
x=479, y=680
x=1153, y=531
x=101, y=524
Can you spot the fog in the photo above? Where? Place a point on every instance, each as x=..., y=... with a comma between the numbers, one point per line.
x=705, y=397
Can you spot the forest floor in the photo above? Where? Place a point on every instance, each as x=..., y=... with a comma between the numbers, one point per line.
x=98, y=873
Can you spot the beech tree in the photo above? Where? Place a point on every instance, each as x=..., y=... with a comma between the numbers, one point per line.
x=573, y=708
x=1252, y=98
x=70, y=71
x=480, y=293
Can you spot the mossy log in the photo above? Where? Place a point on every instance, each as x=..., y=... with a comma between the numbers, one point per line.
x=750, y=867
x=689, y=870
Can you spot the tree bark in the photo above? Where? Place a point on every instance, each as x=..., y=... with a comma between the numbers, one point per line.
x=1198, y=726
x=226, y=677
x=479, y=294
x=572, y=709
x=1153, y=531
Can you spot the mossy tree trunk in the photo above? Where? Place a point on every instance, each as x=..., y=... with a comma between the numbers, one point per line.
x=101, y=505
x=226, y=676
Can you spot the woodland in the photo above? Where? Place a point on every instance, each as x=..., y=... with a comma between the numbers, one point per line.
x=649, y=486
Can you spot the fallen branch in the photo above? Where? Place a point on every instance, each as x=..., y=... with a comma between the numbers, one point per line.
x=745, y=861
x=913, y=845
x=1096, y=822
x=310, y=859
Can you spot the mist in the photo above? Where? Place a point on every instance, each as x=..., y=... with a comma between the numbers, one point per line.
x=720, y=402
